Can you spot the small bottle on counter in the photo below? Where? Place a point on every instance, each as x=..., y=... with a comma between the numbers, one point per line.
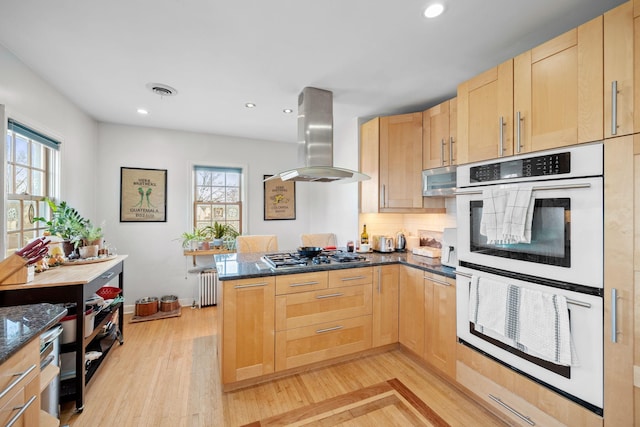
x=364, y=237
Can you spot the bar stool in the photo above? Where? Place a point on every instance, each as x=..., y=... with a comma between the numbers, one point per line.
x=257, y=243
x=320, y=240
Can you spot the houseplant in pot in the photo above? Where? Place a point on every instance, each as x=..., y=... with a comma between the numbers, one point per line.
x=192, y=239
x=66, y=223
x=221, y=231
x=91, y=240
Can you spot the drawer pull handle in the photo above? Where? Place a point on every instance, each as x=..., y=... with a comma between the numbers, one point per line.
x=108, y=275
x=252, y=285
x=614, y=315
x=339, y=294
x=335, y=328
x=293, y=285
x=22, y=408
x=513, y=411
x=346, y=279
x=614, y=107
x=439, y=282
x=20, y=376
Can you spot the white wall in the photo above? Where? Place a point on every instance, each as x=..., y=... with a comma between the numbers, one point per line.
x=156, y=266
x=33, y=102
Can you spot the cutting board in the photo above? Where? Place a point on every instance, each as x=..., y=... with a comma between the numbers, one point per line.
x=427, y=251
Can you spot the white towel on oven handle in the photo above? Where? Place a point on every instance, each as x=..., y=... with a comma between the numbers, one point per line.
x=518, y=215
x=494, y=203
x=534, y=322
x=544, y=325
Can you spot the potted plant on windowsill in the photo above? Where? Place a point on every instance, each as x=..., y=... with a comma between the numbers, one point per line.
x=192, y=240
x=220, y=231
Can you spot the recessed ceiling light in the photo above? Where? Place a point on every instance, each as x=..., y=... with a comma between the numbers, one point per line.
x=287, y=110
x=250, y=105
x=142, y=111
x=433, y=10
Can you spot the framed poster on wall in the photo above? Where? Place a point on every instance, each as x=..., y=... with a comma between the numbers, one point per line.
x=279, y=199
x=143, y=195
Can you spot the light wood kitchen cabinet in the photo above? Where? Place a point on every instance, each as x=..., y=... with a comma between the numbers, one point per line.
x=619, y=84
x=248, y=328
x=440, y=323
x=621, y=191
x=558, y=91
x=385, y=304
x=317, y=325
x=485, y=115
x=516, y=398
x=20, y=386
x=440, y=134
x=412, y=310
x=391, y=154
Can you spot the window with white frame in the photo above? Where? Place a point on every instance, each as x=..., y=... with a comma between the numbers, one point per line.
x=217, y=196
x=31, y=158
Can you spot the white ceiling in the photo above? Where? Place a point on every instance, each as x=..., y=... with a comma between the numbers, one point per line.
x=377, y=56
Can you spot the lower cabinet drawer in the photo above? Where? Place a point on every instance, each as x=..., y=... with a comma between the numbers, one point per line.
x=522, y=401
x=302, y=346
x=328, y=305
x=23, y=406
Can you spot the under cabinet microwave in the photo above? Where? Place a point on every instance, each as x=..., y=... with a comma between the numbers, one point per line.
x=439, y=182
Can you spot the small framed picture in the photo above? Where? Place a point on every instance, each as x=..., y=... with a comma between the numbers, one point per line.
x=143, y=195
x=279, y=199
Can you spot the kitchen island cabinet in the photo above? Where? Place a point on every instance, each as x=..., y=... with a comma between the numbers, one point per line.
x=72, y=284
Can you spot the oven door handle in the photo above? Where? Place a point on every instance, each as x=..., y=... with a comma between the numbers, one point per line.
x=569, y=300
x=537, y=188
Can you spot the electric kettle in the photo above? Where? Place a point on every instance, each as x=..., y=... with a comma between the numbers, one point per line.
x=401, y=242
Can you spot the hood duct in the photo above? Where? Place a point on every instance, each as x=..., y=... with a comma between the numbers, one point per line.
x=315, y=141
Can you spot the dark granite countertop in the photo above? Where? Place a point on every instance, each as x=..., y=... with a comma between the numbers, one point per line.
x=249, y=265
x=23, y=323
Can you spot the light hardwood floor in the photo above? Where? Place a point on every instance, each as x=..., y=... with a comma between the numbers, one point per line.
x=166, y=374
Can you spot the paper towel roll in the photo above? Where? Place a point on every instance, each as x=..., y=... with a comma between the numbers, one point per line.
x=412, y=242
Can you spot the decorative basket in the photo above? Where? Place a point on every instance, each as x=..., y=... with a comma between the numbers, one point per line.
x=108, y=292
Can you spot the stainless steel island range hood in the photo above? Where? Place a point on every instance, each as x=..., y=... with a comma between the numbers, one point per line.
x=315, y=141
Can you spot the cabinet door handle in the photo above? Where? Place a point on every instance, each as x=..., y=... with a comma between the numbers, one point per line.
x=293, y=285
x=519, y=120
x=21, y=411
x=346, y=279
x=442, y=151
x=439, y=282
x=329, y=295
x=20, y=376
x=107, y=275
x=384, y=201
x=379, y=280
x=614, y=315
x=614, y=107
x=252, y=285
x=501, y=142
x=335, y=328
x=451, y=159
x=513, y=411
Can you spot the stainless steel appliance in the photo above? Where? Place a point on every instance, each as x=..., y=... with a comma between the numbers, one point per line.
x=382, y=243
x=50, y=355
x=559, y=257
x=449, y=255
x=283, y=260
x=439, y=181
x=401, y=242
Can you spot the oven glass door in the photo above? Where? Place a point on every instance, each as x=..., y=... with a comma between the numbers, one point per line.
x=567, y=239
x=550, y=234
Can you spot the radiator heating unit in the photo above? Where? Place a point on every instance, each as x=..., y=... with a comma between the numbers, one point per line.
x=207, y=284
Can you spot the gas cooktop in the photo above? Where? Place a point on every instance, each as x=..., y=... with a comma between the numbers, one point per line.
x=294, y=259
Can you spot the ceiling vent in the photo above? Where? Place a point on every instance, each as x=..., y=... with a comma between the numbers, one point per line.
x=162, y=89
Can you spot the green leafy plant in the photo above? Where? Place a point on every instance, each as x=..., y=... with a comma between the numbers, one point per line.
x=197, y=235
x=219, y=230
x=65, y=222
x=91, y=233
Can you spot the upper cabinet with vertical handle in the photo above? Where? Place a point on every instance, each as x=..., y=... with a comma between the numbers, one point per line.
x=439, y=135
x=391, y=154
x=550, y=96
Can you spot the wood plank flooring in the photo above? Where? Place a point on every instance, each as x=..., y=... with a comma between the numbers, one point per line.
x=166, y=374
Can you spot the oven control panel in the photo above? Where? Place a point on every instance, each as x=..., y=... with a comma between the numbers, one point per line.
x=550, y=164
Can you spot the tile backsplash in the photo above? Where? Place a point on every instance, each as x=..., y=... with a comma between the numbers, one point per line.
x=410, y=224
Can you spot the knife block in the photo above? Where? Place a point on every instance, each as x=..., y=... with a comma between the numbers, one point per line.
x=15, y=271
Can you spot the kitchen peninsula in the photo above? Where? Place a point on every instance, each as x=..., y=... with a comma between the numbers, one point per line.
x=275, y=321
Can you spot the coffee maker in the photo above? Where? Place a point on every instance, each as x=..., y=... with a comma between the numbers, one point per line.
x=449, y=255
